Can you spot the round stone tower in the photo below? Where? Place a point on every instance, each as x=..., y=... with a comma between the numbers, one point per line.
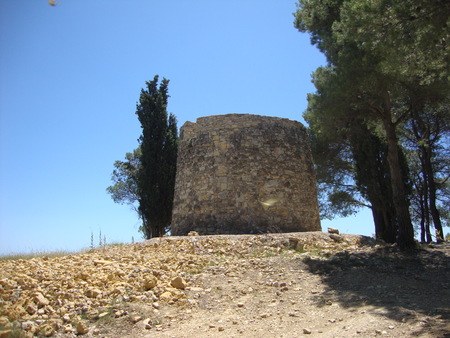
x=244, y=174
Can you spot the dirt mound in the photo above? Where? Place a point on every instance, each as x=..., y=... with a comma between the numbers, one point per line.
x=279, y=285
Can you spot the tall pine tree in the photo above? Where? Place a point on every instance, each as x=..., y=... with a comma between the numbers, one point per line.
x=158, y=142
x=381, y=52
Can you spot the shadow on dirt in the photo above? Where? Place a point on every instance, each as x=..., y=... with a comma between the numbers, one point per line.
x=399, y=286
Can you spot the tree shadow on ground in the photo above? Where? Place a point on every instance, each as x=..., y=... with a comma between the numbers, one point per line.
x=400, y=286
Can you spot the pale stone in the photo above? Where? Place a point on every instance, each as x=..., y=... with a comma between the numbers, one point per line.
x=120, y=313
x=68, y=328
x=178, y=283
x=6, y=333
x=103, y=315
x=46, y=330
x=337, y=238
x=83, y=276
x=147, y=323
x=166, y=296
x=196, y=289
x=40, y=299
x=135, y=319
x=29, y=326
x=82, y=328
x=150, y=282
x=92, y=293
x=31, y=308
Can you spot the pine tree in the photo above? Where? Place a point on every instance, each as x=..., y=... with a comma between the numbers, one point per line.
x=379, y=55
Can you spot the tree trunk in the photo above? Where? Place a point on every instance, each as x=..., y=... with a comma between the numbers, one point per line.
x=425, y=202
x=391, y=226
x=425, y=236
x=422, y=134
x=428, y=173
x=427, y=228
x=380, y=225
x=405, y=237
x=422, y=230
x=385, y=227
x=422, y=215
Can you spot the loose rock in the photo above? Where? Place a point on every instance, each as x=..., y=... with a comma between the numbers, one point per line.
x=92, y=293
x=336, y=238
x=40, y=300
x=178, y=283
x=82, y=327
x=150, y=282
x=333, y=231
x=166, y=296
x=47, y=330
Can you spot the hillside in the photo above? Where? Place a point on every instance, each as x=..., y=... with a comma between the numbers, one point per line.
x=273, y=285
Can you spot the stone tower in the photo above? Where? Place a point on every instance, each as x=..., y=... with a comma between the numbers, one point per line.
x=241, y=173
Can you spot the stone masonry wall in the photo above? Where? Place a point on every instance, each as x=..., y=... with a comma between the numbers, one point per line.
x=241, y=173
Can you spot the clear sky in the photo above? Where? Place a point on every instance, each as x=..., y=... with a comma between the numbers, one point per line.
x=70, y=77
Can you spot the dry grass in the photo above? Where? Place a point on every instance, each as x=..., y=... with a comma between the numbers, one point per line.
x=38, y=254
x=51, y=254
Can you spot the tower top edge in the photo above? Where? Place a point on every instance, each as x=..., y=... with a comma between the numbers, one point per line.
x=241, y=117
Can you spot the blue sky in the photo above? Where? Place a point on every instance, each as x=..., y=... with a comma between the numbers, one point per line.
x=70, y=77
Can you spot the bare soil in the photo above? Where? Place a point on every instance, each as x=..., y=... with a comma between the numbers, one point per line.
x=289, y=285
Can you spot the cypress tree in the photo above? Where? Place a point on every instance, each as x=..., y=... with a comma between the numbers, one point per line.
x=158, y=142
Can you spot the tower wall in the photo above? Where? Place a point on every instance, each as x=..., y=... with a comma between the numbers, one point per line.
x=241, y=173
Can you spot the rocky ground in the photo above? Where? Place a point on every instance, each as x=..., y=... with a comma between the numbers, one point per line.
x=274, y=285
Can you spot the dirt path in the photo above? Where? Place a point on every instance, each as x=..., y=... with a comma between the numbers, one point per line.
x=281, y=285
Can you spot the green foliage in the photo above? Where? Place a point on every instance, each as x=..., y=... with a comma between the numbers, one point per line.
x=156, y=175
x=349, y=153
x=427, y=138
x=408, y=38
x=386, y=59
x=125, y=178
x=338, y=193
x=146, y=179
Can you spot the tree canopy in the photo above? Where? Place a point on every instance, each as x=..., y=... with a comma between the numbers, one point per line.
x=125, y=178
x=386, y=61
x=147, y=177
x=158, y=142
